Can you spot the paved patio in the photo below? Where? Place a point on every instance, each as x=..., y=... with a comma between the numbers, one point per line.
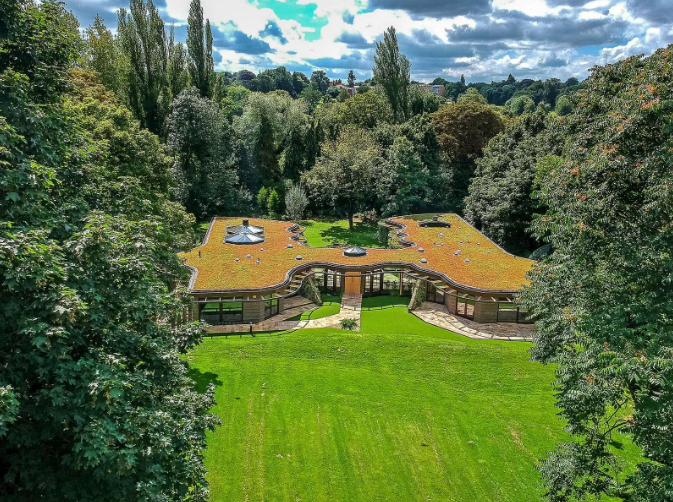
x=439, y=316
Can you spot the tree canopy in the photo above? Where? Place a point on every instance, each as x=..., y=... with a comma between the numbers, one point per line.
x=603, y=296
x=95, y=400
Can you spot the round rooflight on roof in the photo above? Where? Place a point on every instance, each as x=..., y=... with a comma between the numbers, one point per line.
x=355, y=251
x=244, y=238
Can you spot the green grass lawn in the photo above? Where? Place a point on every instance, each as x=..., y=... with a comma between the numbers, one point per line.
x=326, y=309
x=336, y=233
x=401, y=411
x=385, y=301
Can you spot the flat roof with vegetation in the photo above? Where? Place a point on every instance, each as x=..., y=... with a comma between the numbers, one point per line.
x=460, y=253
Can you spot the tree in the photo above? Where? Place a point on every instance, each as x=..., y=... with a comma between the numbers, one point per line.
x=551, y=90
x=233, y=102
x=602, y=298
x=351, y=78
x=423, y=100
x=520, y=105
x=103, y=56
x=200, y=138
x=405, y=187
x=276, y=139
x=500, y=201
x=346, y=173
x=320, y=80
x=263, y=199
x=200, y=49
x=92, y=384
x=296, y=202
x=472, y=95
x=392, y=72
x=274, y=203
x=143, y=40
x=463, y=130
x=177, y=72
x=299, y=82
x=564, y=106
x=312, y=97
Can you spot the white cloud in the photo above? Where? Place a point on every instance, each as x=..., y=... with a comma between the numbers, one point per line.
x=535, y=8
x=588, y=15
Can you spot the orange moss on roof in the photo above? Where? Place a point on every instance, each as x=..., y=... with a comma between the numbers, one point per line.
x=480, y=264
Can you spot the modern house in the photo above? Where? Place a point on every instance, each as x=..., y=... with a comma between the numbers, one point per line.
x=246, y=269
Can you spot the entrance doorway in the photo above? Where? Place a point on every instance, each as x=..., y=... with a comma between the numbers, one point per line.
x=352, y=283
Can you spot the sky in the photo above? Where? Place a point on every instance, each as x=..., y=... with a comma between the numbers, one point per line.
x=484, y=40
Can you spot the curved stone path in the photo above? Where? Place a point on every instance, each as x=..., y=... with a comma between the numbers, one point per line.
x=439, y=316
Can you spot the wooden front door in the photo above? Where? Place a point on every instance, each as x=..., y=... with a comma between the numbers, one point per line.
x=352, y=284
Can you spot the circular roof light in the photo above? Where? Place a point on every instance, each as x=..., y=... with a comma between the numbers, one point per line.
x=355, y=252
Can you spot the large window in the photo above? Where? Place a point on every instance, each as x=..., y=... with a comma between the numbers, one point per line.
x=218, y=313
x=509, y=311
x=330, y=282
x=271, y=307
x=373, y=284
x=465, y=306
x=434, y=294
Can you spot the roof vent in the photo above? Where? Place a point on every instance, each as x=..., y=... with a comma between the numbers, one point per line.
x=355, y=252
x=435, y=222
x=423, y=260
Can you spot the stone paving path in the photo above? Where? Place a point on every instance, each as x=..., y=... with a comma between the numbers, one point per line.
x=439, y=316
x=351, y=306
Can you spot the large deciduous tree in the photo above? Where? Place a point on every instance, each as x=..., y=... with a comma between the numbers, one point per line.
x=501, y=202
x=102, y=54
x=603, y=298
x=143, y=40
x=95, y=401
x=392, y=72
x=347, y=172
x=405, y=186
x=463, y=130
x=200, y=138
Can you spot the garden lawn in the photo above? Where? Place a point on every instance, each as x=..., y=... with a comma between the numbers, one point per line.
x=325, y=310
x=401, y=411
x=336, y=233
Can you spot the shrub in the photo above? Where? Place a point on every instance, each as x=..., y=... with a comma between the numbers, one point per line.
x=295, y=203
x=349, y=324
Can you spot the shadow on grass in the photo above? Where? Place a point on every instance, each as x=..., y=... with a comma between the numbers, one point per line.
x=202, y=379
x=363, y=234
x=385, y=301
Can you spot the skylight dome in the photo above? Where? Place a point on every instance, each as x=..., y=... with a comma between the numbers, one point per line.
x=355, y=251
x=245, y=228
